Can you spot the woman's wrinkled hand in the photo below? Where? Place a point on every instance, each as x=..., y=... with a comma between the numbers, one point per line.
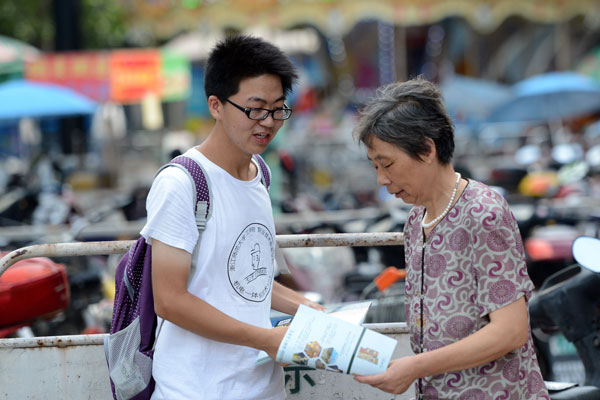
x=397, y=379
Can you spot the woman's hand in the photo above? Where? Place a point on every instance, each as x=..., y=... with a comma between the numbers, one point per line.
x=507, y=330
x=397, y=379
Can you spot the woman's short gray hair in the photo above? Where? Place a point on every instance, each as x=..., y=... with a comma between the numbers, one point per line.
x=406, y=114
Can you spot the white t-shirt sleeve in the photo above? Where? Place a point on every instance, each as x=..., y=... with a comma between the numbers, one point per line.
x=170, y=209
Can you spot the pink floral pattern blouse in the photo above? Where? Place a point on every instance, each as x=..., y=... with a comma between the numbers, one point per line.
x=474, y=264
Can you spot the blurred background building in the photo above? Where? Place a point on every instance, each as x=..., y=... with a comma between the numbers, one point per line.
x=132, y=71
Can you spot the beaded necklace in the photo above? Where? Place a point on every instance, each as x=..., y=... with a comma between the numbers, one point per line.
x=442, y=215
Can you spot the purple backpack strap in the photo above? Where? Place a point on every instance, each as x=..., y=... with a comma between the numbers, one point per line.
x=264, y=168
x=198, y=175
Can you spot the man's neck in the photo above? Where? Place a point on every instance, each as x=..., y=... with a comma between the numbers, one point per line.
x=228, y=157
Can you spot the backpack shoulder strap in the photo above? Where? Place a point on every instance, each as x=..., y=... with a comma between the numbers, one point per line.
x=264, y=168
x=201, y=186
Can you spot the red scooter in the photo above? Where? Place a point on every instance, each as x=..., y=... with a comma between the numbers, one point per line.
x=30, y=290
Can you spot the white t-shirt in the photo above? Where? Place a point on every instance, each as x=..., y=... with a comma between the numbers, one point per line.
x=234, y=273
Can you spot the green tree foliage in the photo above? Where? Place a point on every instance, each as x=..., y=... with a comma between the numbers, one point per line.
x=29, y=21
x=102, y=23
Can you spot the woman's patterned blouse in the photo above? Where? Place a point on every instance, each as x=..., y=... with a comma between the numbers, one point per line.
x=474, y=264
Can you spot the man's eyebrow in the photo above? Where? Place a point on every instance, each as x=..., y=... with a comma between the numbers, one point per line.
x=261, y=100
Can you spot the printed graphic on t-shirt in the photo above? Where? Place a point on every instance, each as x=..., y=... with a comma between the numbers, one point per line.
x=250, y=264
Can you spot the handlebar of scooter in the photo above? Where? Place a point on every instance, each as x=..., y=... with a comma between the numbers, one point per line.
x=569, y=302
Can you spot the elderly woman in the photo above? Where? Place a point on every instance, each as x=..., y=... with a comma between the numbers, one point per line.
x=467, y=284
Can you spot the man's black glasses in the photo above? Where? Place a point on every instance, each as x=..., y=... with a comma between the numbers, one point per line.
x=259, y=114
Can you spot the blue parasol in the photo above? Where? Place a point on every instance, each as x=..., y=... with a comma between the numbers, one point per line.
x=550, y=96
x=470, y=100
x=20, y=99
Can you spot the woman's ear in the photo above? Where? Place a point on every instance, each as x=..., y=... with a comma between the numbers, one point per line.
x=215, y=107
x=431, y=156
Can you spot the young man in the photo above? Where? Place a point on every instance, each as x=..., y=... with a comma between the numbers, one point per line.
x=217, y=320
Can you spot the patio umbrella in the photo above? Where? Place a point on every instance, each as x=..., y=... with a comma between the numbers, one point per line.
x=550, y=96
x=20, y=99
x=471, y=99
x=14, y=54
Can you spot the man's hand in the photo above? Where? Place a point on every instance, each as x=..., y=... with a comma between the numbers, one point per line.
x=313, y=304
x=286, y=300
x=274, y=341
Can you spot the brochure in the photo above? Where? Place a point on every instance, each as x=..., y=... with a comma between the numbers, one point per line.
x=353, y=312
x=323, y=341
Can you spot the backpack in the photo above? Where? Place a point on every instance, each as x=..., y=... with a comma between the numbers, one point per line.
x=129, y=348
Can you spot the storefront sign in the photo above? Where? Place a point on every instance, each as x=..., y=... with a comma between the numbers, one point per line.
x=121, y=76
x=175, y=77
x=134, y=74
x=85, y=72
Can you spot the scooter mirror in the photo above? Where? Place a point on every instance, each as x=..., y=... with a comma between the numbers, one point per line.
x=586, y=251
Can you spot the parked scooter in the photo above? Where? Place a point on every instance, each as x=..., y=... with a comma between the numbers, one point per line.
x=568, y=303
x=84, y=279
x=32, y=291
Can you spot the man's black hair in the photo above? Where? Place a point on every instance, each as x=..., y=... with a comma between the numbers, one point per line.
x=240, y=57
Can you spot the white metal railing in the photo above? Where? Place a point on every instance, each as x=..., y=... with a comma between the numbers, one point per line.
x=75, y=367
x=88, y=231
x=121, y=246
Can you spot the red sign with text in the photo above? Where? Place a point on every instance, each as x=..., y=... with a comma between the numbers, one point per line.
x=134, y=75
x=121, y=76
x=87, y=73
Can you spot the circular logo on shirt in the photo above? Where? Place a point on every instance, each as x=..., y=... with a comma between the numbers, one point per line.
x=250, y=264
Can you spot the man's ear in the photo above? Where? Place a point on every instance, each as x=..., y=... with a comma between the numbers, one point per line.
x=215, y=107
x=431, y=156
